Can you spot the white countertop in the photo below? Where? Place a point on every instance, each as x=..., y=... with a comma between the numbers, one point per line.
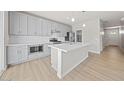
x=66, y=47
x=26, y=44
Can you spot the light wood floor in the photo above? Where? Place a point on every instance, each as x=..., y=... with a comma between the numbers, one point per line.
x=109, y=65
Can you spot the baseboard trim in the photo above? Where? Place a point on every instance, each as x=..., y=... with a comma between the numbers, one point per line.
x=92, y=51
x=74, y=66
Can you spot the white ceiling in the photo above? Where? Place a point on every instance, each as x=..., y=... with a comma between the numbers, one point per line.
x=111, y=18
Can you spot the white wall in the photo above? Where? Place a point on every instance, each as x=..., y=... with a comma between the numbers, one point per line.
x=3, y=38
x=92, y=29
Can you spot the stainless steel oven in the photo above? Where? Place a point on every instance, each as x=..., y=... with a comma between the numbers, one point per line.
x=35, y=48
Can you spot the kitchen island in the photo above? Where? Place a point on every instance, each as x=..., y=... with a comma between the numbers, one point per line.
x=65, y=57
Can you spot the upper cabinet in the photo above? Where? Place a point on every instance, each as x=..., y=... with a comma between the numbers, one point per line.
x=47, y=27
x=18, y=23
x=34, y=26
x=14, y=23
x=38, y=27
x=60, y=29
x=64, y=30
x=22, y=24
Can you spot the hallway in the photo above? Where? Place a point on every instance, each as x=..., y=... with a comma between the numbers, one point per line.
x=109, y=65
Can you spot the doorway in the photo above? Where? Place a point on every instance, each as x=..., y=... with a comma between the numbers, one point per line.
x=111, y=37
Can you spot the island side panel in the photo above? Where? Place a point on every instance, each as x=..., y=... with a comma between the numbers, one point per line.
x=72, y=59
x=54, y=58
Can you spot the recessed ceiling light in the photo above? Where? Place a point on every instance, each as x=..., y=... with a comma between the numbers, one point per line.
x=83, y=25
x=73, y=19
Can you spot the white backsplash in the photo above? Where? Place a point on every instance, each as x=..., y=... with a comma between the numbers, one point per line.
x=31, y=39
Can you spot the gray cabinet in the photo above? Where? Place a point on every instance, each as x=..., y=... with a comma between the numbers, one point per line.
x=59, y=29
x=47, y=50
x=17, y=54
x=44, y=28
x=32, y=25
x=64, y=30
x=18, y=23
x=14, y=23
x=35, y=26
x=47, y=28
x=23, y=24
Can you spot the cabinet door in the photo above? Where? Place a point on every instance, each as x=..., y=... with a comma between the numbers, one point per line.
x=1, y=29
x=41, y=26
x=12, y=55
x=35, y=26
x=67, y=29
x=31, y=25
x=53, y=26
x=60, y=29
x=47, y=50
x=44, y=28
x=17, y=54
x=49, y=27
x=22, y=53
x=23, y=24
x=38, y=27
x=14, y=23
x=64, y=32
x=55, y=29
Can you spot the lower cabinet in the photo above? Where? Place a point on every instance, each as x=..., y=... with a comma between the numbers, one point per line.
x=20, y=54
x=17, y=54
x=47, y=50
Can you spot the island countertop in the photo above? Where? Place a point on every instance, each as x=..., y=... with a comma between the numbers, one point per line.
x=66, y=56
x=66, y=47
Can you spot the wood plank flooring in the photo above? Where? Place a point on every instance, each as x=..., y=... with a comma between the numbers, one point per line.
x=109, y=65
